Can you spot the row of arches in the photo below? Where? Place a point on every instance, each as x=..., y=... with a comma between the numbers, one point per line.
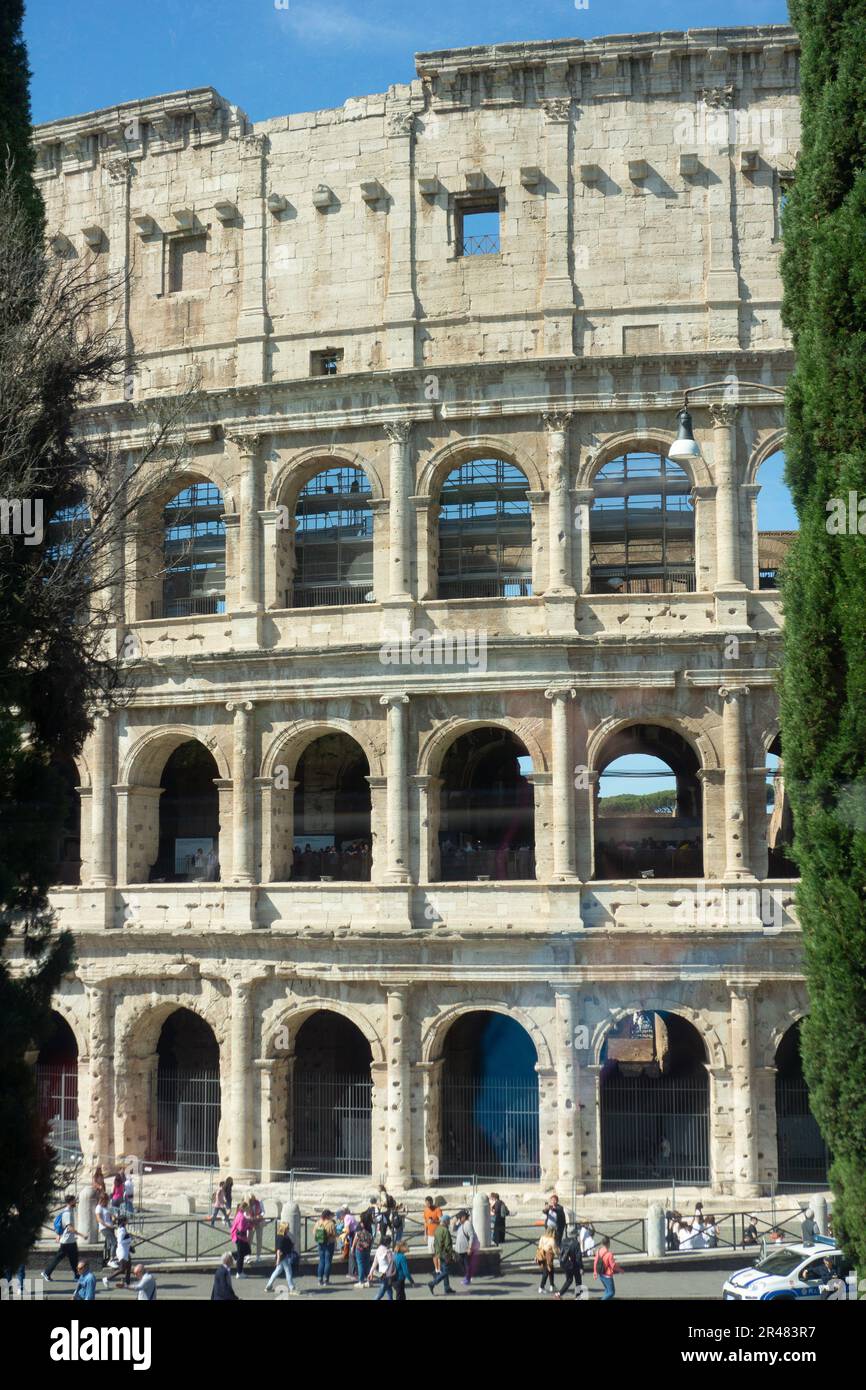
x=647, y=810
x=653, y=1097
x=641, y=535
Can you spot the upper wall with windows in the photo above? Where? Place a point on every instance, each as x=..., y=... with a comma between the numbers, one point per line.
x=611, y=197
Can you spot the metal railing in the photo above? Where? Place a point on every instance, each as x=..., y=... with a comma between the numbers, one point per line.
x=315, y=865
x=485, y=245
x=620, y=581
x=505, y=586
x=202, y=605
x=329, y=595
x=464, y=866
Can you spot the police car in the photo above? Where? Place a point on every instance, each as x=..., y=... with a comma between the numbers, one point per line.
x=795, y=1271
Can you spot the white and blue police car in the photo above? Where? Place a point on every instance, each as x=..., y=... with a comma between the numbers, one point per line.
x=818, y=1271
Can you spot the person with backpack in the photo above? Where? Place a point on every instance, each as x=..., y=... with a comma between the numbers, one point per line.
x=498, y=1213
x=240, y=1236
x=443, y=1256
x=350, y=1226
x=325, y=1236
x=604, y=1267
x=67, y=1240
x=362, y=1244
x=384, y=1269
x=285, y=1259
x=571, y=1264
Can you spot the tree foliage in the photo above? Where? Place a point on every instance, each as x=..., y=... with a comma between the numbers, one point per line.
x=16, y=151
x=824, y=675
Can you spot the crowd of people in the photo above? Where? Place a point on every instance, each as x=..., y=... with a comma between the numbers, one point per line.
x=698, y=1233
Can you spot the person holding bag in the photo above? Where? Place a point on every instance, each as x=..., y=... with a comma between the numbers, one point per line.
x=241, y=1231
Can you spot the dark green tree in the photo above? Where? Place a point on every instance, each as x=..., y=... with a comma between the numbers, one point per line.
x=16, y=150
x=824, y=672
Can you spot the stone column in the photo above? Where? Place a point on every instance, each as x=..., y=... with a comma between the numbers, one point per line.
x=254, y=325
x=564, y=864
x=724, y=418
x=400, y=308
x=273, y=1128
x=737, y=856
x=243, y=821
x=745, y=1119
x=398, y=1137
x=399, y=492
x=101, y=875
x=427, y=791
x=570, y=1177
x=241, y=1125
x=557, y=291
x=397, y=870
x=249, y=590
x=559, y=579
x=581, y=502
x=96, y=1124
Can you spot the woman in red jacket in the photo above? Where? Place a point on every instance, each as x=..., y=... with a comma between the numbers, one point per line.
x=604, y=1267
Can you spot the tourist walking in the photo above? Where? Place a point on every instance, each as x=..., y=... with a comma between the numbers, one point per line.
x=554, y=1218
x=19, y=1275
x=325, y=1236
x=240, y=1237
x=228, y=1185
x=498, y=1213
x=85, y=1283
x=124, y=1256
x=362, y=1244
x=466, y=1244
x=402, y=1272
x=117, y=1193
x=256, y=1212
x=350, y=1226
x=67, y=1240
x=144, y=1287
x=604, y=1267
x=443, y=1255
x=222, y=1291
x=105, y=1229
x=571, y=1264
x=129, y=1195
x=431, y=1216
x=284, y=1263
x=384, y=1269
x=545, y=1258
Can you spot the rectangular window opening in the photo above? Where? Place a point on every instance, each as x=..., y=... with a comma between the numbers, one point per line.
x=326, y=362
x=477, y=226
x=187, y=263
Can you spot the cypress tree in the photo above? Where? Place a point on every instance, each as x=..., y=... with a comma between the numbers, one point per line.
x=824, y=668
x=16, y=150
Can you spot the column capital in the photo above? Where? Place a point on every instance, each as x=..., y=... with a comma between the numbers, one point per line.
x=560, y=692
x=398, y=697
x=239, y=706
x=247, y=444
x=557, y=421
x=557, y=110
x=742, y=989
x=729, y=693
x=398, y=431
x=723, y=414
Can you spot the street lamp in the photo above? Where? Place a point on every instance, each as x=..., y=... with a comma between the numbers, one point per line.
x=685, y=446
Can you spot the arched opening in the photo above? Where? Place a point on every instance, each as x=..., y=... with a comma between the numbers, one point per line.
x=188, y=818
x=777, y=520
x=332, y=831
x=333, y=1097
x=57, y=1087
x=487, y=817
x=485, y=532
x=66, y=844
x=67, y=557
x=194, y=548
x=804, y=1159
x=489, y=1101
x=780, y=821
x=333, y=540
x=642, y=527
x=648, y=810
x=187, y=1109
x=655, y=1100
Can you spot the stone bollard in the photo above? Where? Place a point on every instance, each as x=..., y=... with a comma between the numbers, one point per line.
x=182, y=1204
x=819, y=1207
x=85, y=1218
x=656, y=1230
x=291, y=1214
x=481, y=1219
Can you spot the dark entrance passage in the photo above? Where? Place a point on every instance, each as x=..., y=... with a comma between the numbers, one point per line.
x=189, y=822
x=187, y=1109
x=655, y=1126
x=332, y=809
x=490, y=1101
x=487, y=820
x=57, y=1087
x=333, y=1097
x=804, y=1159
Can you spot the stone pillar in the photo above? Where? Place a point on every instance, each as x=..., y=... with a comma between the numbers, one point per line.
x=397, y=870
x=399, y=489
x=101, y=875
x=737, y=854
x=398, y=1137
x=557, y=291
x=242, y=1073
x=400, y=308
x=581, y=502
x=273, y=1128
x=431, y=1076
x=724, y=418
x=745, y=1118
x=254, y=325
x=96, y=1124
x=249, y=592
x=563, y=783
x=427, y=544
x=243, y=820
x=560, y=579
x=570, y=1178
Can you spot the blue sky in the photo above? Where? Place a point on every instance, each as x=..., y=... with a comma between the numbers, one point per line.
x=271, y=60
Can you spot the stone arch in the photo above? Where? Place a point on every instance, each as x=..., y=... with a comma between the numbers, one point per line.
x=436, y=744
x=287, y=746
x=196, y=471
x=769, y=1040
x=768, y=734
x=768, y=444
x=82, y=767
x=716, y=1056
x=143, y=763
x=651, y=440
x=139, y=1032
x=62, y=1005
x=699, y=742
x=291, y=1014
x=297, y=471
x=452, y=455
x=433, y=1038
